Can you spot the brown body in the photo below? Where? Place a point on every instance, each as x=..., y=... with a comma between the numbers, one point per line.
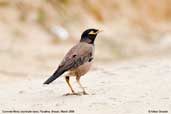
x=83, y=49
x=81, y=70
x=78, y=60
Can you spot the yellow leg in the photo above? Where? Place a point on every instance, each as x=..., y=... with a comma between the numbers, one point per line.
x=78, y=81
x=67, y=80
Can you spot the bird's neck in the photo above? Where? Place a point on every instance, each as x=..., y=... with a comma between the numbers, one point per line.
x=87, y=40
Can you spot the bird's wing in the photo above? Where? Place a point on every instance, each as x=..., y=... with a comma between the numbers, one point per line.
x=78, y=55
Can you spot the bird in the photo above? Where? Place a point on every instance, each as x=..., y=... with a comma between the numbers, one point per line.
x=77, y=61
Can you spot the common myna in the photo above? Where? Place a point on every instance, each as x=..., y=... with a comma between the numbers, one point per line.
x=78, y=60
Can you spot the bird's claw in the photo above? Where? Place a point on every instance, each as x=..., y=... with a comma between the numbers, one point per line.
x=85, y=93
x=78, y=94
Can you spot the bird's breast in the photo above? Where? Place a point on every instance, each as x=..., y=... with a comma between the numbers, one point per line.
x=81, y=70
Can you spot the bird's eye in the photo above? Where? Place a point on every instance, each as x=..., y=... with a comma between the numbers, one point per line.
x=92, y=33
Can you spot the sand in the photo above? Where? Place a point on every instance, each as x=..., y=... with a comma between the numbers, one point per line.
x=129, y=87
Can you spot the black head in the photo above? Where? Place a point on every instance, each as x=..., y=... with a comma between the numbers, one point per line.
x=89, y=35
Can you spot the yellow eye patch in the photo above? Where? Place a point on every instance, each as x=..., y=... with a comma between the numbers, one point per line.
x=92, y=33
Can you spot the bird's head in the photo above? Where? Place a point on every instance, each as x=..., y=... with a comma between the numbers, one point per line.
x=89, y=35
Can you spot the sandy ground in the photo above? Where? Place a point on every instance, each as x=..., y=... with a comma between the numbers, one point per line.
x=130, y=87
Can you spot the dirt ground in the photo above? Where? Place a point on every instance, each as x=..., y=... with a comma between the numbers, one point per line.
x=128, y=87
x=127, y=77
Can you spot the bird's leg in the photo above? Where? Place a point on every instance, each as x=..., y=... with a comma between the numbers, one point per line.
x=78, y=81
x=67, y=80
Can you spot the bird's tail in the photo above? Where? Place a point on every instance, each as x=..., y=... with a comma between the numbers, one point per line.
x=54, y=76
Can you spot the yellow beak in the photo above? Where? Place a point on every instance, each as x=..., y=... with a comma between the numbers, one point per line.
x=94, y=33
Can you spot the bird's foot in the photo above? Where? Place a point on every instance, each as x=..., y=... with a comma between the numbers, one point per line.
x=85, y=93
x=78, y=94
